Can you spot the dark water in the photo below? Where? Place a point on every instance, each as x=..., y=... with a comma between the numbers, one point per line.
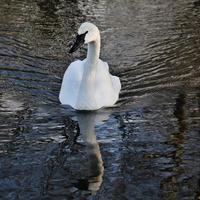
x=148, y=147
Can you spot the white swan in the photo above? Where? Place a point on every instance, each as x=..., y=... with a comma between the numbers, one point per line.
x=87, y=84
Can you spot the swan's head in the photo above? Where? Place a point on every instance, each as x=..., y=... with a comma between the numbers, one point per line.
x=87, y=32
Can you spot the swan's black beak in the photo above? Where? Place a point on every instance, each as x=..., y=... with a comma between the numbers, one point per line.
x=80, y=39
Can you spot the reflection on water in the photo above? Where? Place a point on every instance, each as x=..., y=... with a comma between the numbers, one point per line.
x=91, y=169
x=87, y=122
x=145, y=148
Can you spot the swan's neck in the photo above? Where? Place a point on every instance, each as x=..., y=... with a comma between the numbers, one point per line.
x=90, y=66
x=87, y=87
x=93, y=55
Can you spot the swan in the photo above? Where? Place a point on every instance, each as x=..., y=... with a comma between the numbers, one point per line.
x=87, y=84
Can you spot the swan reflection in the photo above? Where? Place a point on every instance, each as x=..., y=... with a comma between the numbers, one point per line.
x=87, y=122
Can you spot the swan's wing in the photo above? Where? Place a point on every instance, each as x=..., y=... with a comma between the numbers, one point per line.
x=115, y=79
x=107, y=86
x=74, y=72
x=104, y=69
x=71, y=83
x=105, y=64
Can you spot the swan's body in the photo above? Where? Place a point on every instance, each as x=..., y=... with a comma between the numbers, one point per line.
x=87, y=84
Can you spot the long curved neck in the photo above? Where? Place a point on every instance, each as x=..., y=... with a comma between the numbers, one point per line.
x=93, y=53
x=87, y=86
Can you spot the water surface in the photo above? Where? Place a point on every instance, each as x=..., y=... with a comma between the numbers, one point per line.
x=145, y=148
